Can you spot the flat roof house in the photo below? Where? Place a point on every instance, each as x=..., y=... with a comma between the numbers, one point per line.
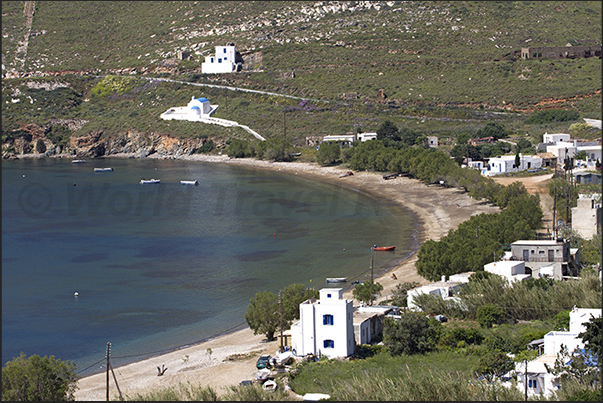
x=325, y=326
x=224, y=61
x=538, y=254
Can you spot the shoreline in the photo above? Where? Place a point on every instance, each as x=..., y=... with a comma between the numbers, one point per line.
x=228, y=359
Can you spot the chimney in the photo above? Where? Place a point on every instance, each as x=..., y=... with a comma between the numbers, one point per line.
x=444, y=278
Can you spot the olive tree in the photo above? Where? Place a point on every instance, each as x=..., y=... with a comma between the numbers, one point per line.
x=38, y=378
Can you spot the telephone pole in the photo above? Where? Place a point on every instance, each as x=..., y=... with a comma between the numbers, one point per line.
x=371, y=285
x=108, y=364
x=281, y=299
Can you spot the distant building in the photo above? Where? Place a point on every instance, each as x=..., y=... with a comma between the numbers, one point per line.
x=367, y=136
x=224, y=61
x=561, y=52
x=539, y=380
x=506, y=163
x=196, y=110
x=511, y=270
x=446, y=290
x=555, y=255
x=555, y=138
x=432, y=141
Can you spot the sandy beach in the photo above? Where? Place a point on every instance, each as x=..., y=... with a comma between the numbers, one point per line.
x=230, y=359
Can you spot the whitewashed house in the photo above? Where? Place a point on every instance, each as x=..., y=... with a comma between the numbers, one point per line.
x=562, y=150
x=367, y=136
x=342, y=139
x=224, y=61
x=511, y=270
x=506, y=163
x=196, y=110
x=446, y=290
x=325, y=326
x=539, y=381
x=555, y=138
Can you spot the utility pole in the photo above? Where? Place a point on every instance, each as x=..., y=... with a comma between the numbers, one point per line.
x=525, y=372
x=108, y=364
x=371, y=285
x=554, y=233
x=116, y=384
x=281, y=299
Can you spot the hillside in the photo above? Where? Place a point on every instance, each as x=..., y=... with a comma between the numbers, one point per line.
x=446, y=66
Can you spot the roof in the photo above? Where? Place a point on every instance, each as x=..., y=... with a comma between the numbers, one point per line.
x=202, y=99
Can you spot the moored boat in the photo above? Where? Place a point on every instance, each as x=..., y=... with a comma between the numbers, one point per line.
x=348, y=173
x=269, y=385
x=78, y=161
x=149, y=181
x=337, y=279
x=386, y=248
x=195, y=182
x=103, y=169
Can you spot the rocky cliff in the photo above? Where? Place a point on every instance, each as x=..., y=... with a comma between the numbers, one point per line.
x=33, y=140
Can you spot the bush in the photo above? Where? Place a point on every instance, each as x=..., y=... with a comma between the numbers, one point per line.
x=38, y=378
x=413, y=333
x=328, y=153
x=40, y=146
x=552, y=115
x=490, y=314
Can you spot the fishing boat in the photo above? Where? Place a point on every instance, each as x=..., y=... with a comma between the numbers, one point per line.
x=337, y=279
x=149, y=181
x=390, y=176
x=103, y=169
x=189, y=182
x=269, y=385
x=78, y=161
x=386, y=248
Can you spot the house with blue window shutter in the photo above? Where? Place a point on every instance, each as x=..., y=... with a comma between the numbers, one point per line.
x=224, y=61
x=325, y=326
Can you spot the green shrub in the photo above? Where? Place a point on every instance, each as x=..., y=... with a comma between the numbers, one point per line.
x=490, y=314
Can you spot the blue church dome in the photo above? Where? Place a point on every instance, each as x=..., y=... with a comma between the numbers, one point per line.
x=202, y=100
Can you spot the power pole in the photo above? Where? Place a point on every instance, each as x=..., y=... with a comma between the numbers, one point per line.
x=281, y=299
x=116, y=384
x=371, y=285
x=108, y=364
x=525, y=372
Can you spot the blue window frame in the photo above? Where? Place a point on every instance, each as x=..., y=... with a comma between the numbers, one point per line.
x=533, y=383
x=329, y=344
x=327, y=319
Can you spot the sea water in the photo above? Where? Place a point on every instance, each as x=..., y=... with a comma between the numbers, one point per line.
x=160, y=266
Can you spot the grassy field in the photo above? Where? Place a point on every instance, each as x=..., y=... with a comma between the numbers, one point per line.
x=444, y=67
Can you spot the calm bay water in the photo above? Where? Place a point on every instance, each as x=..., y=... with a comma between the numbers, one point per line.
x=161, y=266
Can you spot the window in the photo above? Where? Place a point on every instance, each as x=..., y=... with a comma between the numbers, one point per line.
x=327, y=319
x=219, y=60
x=328, y=295
x=329, y=344
x=224, y=50
x=533, y=383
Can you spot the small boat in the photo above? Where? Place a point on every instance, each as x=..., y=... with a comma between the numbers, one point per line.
x=262, y=374
x=103, y=169
x=189, y=182
x=269, y=385
x=149, y=181
x=390, y=176
x=337, y=279
x=348, y=173
x=78, y=161
x=387, y=248
x=283, y=358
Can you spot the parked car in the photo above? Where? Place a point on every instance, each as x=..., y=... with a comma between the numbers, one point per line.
x=263, y=361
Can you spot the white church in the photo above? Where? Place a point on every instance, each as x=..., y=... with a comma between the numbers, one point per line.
x=198, y=109
x=224, y=61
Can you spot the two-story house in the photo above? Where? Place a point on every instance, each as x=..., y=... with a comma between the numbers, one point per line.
x=551, y=256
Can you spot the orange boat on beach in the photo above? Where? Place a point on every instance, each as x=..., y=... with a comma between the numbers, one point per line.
x=384, y=247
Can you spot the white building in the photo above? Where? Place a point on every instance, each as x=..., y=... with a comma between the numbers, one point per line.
x=367, y=136
x=368, y=322
x=343, y=139
x=593, y=154
x=512, y=270
x=540, y=382
x=506, y=163
x=562, y=150
x=224, y=61
x=196, y=110
x=586, y=215
x=555, y=138
x=432, y=141
x=446, y=290
x=325, y=326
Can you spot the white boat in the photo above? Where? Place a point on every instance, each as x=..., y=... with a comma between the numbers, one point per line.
x=78, y=161
x=283, y=358
x=314, y=397
x=262, y=374
x=269, y=385
x=189, y=182
x=337, y=279
x=149, y=181
x=103, y=169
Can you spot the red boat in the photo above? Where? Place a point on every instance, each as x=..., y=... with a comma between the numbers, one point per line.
x=384, y=247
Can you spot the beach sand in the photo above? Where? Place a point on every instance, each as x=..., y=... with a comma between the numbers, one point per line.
x=233, y=356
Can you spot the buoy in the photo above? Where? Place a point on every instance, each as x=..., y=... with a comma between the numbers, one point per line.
x=24, y=175
x=274, y=234
x=76, y=294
